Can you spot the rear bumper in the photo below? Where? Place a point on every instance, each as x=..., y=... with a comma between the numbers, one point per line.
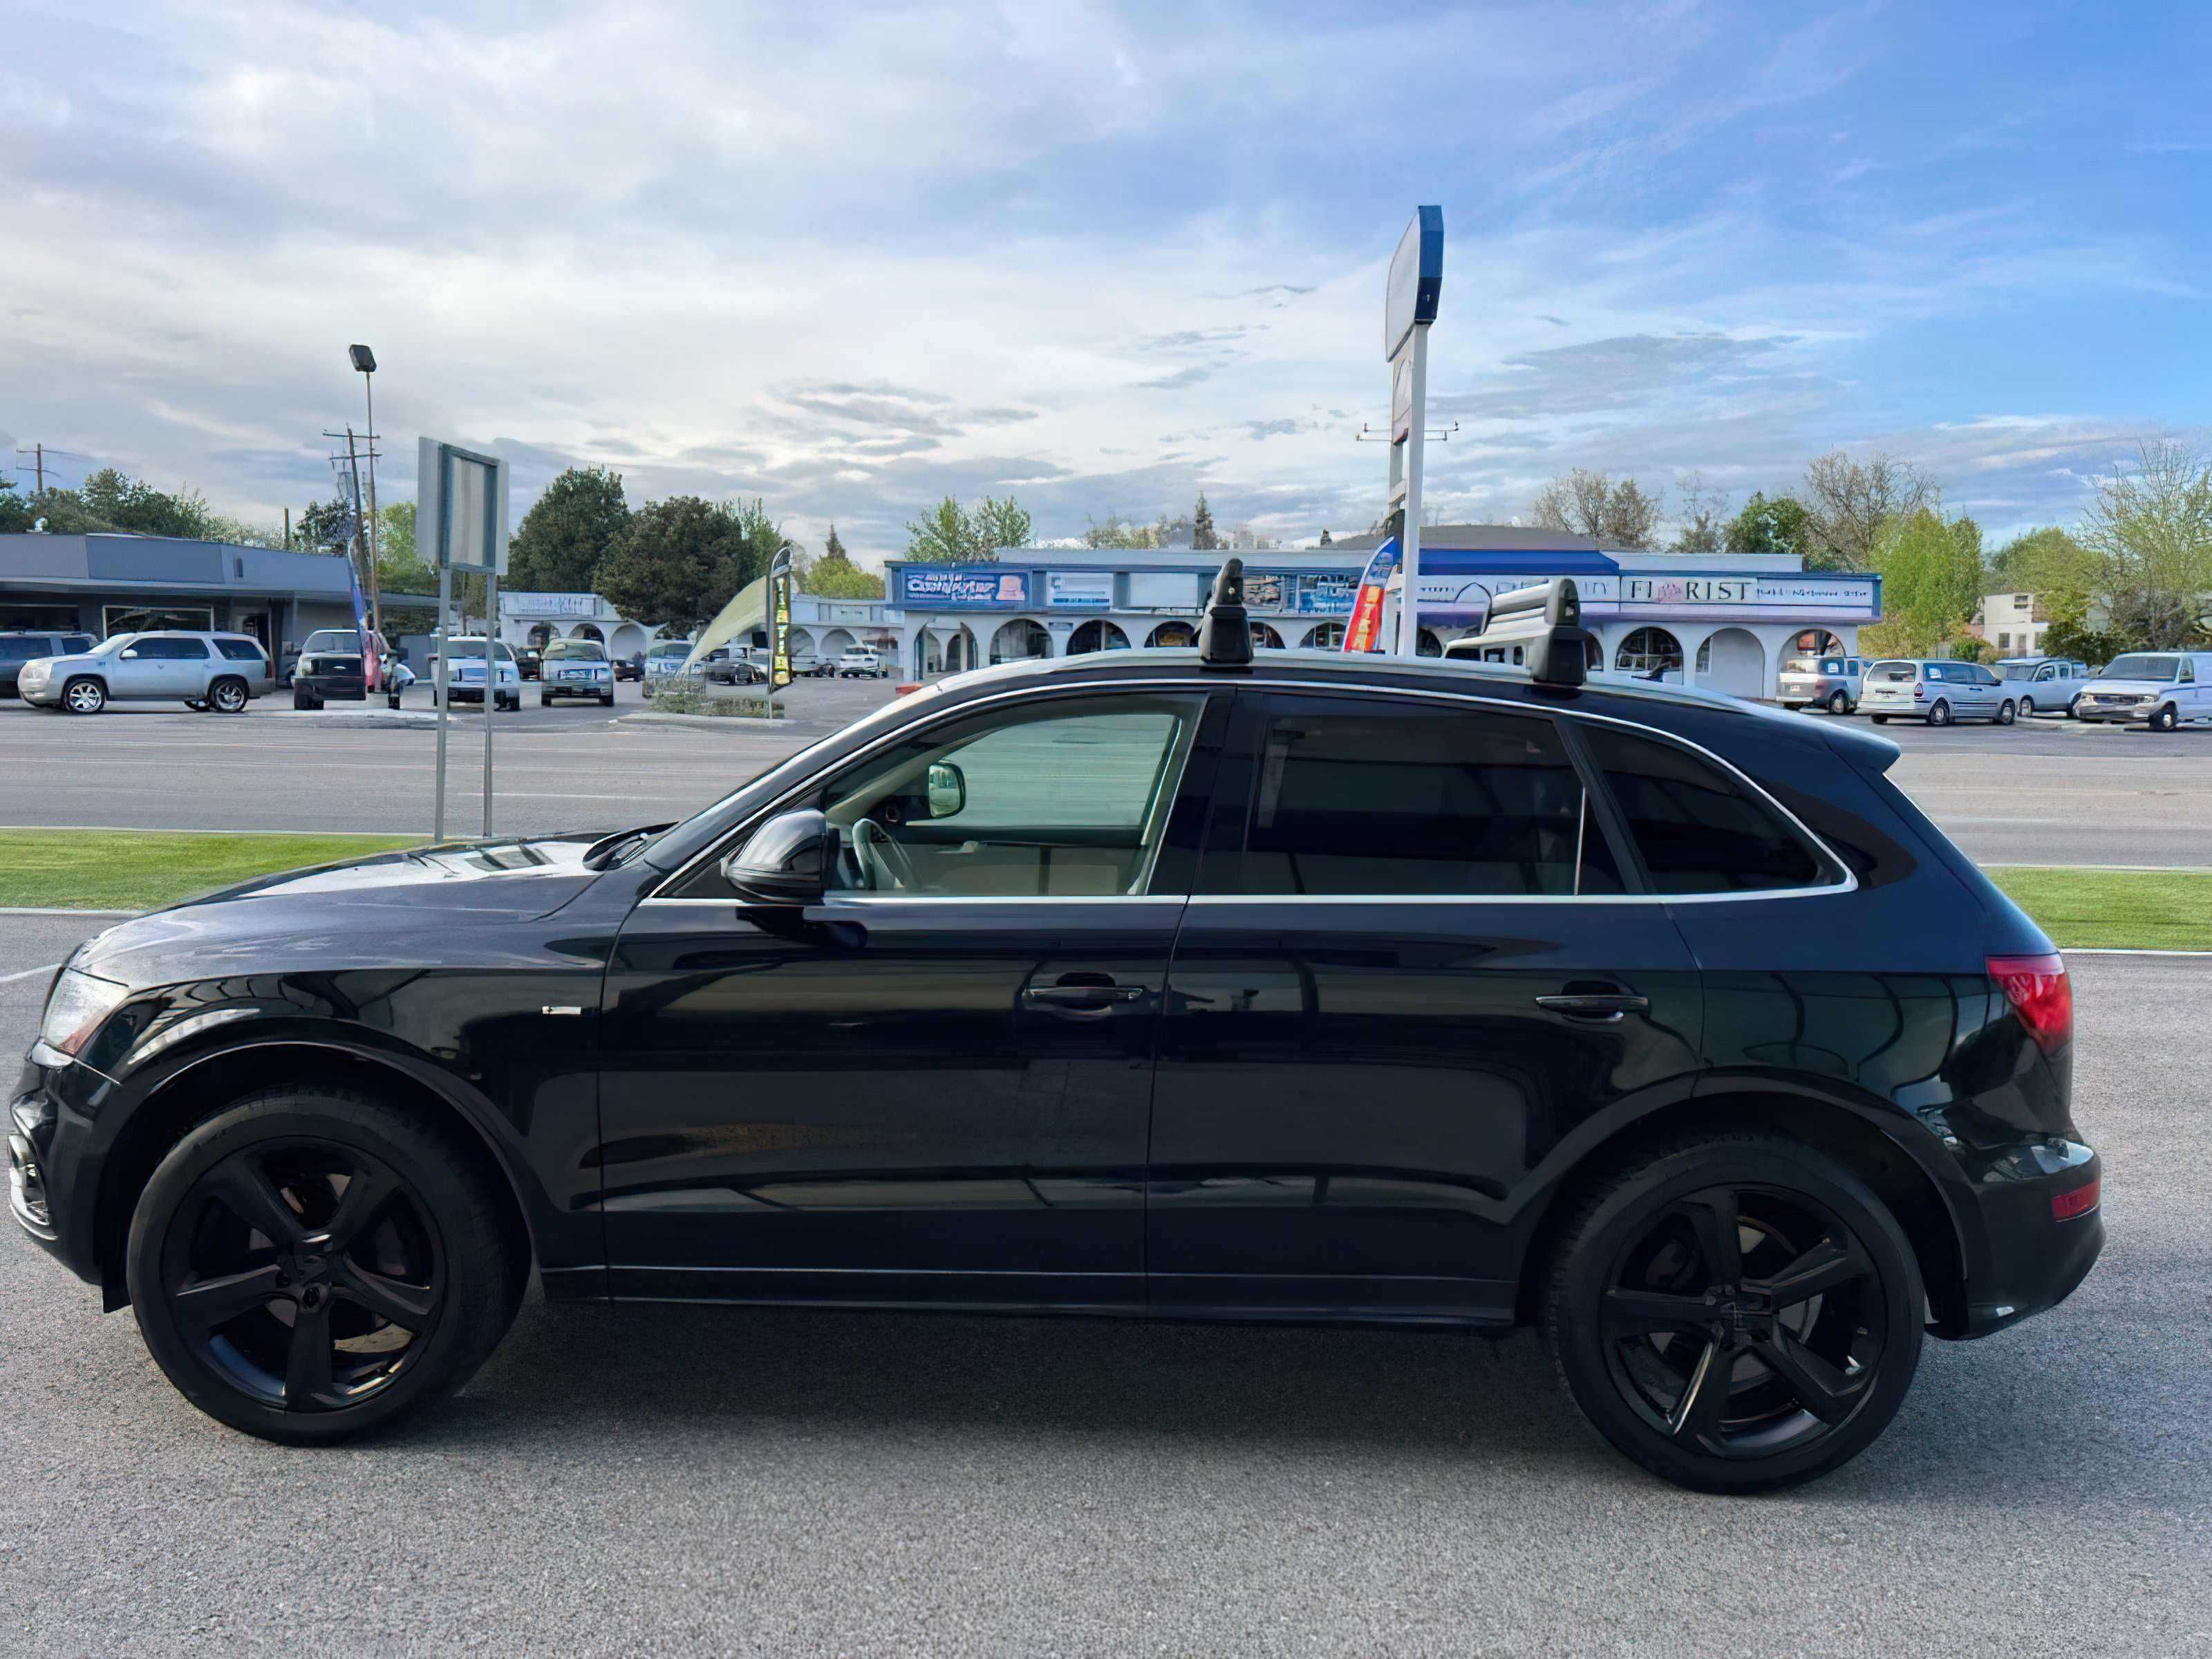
x=2021, y=1258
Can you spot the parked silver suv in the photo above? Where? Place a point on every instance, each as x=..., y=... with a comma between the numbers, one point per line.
x=218, y=672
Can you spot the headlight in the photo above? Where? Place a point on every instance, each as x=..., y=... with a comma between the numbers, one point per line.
x=75, y=1008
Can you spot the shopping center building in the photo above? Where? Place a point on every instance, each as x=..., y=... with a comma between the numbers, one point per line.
x=1726, y=622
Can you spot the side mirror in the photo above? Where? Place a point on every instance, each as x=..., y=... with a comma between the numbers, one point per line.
x=946, y=789
x=130, y=655
x=788, y=861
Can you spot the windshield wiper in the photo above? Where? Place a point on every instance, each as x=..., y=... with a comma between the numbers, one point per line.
x=610, y=850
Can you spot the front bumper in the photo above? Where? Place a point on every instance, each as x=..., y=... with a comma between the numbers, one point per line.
x=332, y=688
x=53, y=1161
x=593, y=689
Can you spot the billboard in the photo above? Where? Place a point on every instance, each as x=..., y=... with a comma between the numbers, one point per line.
x=1417, y=279
x=1080, y=590
x=957, y=587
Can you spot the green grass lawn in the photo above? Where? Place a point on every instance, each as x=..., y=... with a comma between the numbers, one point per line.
x=2116, y=909
x=138, y=870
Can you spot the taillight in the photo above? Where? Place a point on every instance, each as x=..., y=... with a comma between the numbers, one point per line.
x=2064, y=1206
x=1919, y=694
x=2038, y=989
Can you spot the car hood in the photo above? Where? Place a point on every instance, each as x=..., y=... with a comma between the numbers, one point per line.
x=82, y=659
x=2140, y=688
x=364, y=909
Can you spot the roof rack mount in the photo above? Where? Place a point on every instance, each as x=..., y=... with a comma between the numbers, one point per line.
x=1546, y=621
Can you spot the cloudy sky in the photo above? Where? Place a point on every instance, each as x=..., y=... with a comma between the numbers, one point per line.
x=850, y=257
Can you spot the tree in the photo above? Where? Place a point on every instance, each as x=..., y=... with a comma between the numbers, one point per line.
x=1931, y=580
x=2149, y=530
x=1202, y=538
x=834, y=548
x=676, y=562
x=1775, y=524
x=951, y=534
x=325, y=526
x=567, y=533
x=400, y=568
x=132, y=505
x=2069, y=634
x=1702, y=519
x=1325, y=541
x=15, y=507
x=2041, y=561
x=838, y=578
x=1115, y=531
x=1847, y=505
x=1587, y=503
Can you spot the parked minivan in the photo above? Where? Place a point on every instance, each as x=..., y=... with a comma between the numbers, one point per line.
x=1937, y=692
x=2165, y=690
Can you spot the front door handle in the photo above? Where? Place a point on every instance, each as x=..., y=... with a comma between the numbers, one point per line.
x=1082, y=996
x=1595, y=1005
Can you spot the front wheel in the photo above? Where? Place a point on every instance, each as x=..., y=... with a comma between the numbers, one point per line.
x=85, y=696
x=2007, y=713
x=2167, y=719
x=1736, y=1313
x=1939, y=712
x=1879, y=720
x=312, y=1263
x=606, y=700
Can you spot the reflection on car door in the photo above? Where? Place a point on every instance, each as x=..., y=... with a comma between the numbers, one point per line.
x=1409, y=975
x=935, y=1091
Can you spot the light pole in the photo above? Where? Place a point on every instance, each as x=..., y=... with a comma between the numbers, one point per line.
x=364, y=359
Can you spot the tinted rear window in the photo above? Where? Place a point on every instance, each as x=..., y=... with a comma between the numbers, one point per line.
x=240, y=650
x=1893, y=673
x=1697, y=828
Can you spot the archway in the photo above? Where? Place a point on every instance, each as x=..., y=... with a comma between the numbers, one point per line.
x=836, y=642
x=1265, y=638
x=1324, y=636
x=1647, y=650
x=1019, y=641
x=1817, y=643
x=588, y=631
x=628, y=641
x=541, y=634
x=1096, y=634
x=1173, y=636
x=1734, y=661
x=1428, y=645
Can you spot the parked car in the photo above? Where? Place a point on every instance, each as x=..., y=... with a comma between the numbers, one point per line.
x=808, y=665
x=860, y=663
x=1499, y=998
x=631, y=667
x=1831, y=683
x=330, y=670
x=2044, y=684
x=18, y=648
x=221, y=671
x=465, y=681
x=2162, y=689
x=729, y=665
x=577, y=668
x=1937, y=692
x=529, y=661
x=664, y=661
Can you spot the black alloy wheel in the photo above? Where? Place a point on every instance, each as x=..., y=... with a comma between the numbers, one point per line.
x=1739, y=1314
x=1939, y=712
x=310, y=1263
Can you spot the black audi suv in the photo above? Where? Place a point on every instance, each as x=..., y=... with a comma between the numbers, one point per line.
x=1165, y=983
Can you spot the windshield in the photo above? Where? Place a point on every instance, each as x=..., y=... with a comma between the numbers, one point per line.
x=464, y=649
x=333, y=639
x=111, y=644
x=671, y=653
x=2143, y=665
x=576, y=651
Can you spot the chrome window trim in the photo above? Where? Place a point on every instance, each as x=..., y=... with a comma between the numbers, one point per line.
x=1849, y=884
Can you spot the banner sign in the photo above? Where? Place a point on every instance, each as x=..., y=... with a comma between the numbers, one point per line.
x=549, y=604
x=1085, y=590
x=955, y=587
x=1363, y=632
x=779, y=620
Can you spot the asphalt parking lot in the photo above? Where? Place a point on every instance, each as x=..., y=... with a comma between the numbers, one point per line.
x=682, y=1480
x=2045, y=792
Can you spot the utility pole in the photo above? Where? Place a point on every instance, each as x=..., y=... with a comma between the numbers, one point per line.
x=376, y=598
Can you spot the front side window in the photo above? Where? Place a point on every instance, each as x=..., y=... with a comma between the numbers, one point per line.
x=170, y=650
x=1056, y=798
x=1400, y=800
x=1697, y=829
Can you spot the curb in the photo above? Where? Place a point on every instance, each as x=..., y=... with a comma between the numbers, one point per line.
x=718, y=722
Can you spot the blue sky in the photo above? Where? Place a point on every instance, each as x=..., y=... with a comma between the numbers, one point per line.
x=850, y=257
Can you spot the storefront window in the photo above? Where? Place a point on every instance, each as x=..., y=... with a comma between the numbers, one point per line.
x=1650, y=649
x=1173, y=636
x=152, y=618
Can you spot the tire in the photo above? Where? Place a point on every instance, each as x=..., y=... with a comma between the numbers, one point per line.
x=2028, y=705
x=2073, y=708
x=441, y=1246
x=545, y=699
x=1879, y=720
x=1637, y=1311
x=2167, y=719
x=229, y=696
x=304, y=698
x=608, y=701
x=2007, y=713
x=196, y=705
x=1839, y=704
x=84, y=696
x=1939, y=712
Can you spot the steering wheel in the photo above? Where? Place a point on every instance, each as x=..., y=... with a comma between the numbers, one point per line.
x=884, y=863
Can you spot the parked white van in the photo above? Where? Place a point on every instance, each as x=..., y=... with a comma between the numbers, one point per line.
x=2164, y=689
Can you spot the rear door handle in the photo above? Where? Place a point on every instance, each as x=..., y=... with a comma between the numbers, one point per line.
x=1588, y=1005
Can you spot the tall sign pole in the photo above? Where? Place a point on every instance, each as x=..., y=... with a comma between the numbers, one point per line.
x=460, y=497
x=1409, y=307
x=779, y=624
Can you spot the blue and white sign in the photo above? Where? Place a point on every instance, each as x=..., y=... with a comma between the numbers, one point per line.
x=1081, y=590
x=956, y=588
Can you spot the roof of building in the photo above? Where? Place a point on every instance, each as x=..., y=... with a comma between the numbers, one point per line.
x=1477, y=537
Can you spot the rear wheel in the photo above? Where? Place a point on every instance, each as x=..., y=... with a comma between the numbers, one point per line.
x=2006, y=713
x=1838, y=702
x=311, y=1263
x=227, y=697
x=1879, y=720
x=1737, y=1313
x=1939, y=712
x=84, y=696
